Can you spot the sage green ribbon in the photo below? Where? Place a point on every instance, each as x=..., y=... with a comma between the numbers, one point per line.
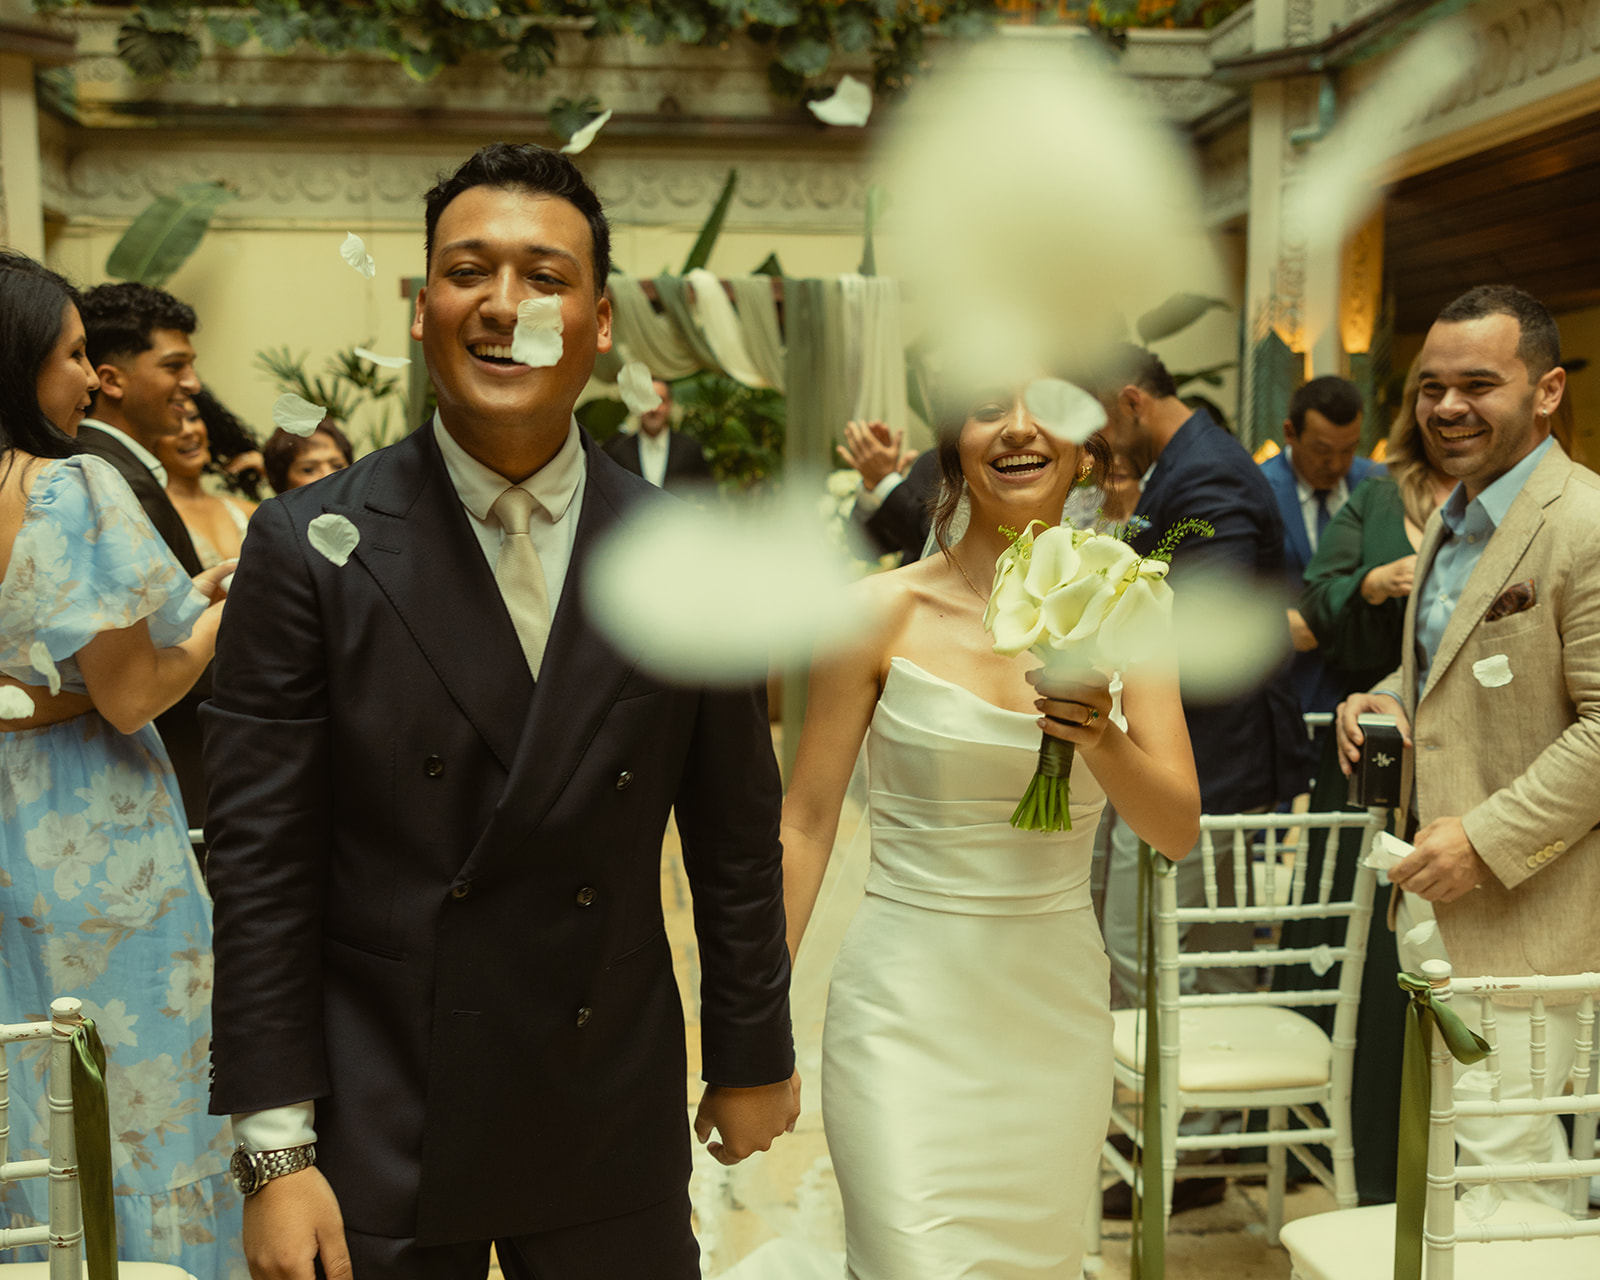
x=1423, y=1018
x=1148, y=1247
x=91, y=1126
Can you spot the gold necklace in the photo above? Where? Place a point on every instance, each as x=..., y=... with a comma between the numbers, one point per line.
x=967, y=580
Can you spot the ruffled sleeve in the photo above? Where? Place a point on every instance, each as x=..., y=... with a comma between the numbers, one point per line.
x=87, y=560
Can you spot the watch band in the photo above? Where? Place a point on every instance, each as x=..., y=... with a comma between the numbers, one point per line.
x=252, y=1170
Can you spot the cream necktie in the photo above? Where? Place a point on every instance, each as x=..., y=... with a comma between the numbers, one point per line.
x=520, y=575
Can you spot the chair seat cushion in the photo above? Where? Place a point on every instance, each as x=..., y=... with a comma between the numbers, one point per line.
x=1228, y=1048
x=1358, y=1244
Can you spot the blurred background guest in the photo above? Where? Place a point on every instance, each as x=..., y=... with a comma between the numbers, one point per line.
x=216, y=522
x=100, y=895
x=896, y=492
x=292, y=460
x=666, y=458
x=233, y=447
x=1355, y=604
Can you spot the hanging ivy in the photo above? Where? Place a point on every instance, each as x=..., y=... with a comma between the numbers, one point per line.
x=161, y=38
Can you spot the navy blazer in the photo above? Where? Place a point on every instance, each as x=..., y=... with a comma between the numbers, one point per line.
x=1251, y=751
x=438, y=887
x=1317, y=687
x=902, y=520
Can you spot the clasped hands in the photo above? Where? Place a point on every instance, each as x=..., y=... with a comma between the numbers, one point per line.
x=1075, y=707
x=1442, y=865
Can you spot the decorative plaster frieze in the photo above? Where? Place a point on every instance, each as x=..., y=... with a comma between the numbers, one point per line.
x=1225, y=174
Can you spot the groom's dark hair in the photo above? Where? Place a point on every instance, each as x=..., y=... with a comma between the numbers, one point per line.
x=522, y=166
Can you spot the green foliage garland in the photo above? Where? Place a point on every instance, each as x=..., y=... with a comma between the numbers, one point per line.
x=160, y=38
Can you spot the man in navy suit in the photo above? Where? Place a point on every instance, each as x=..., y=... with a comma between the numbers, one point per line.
x=445, y=1008
x=1312, y=478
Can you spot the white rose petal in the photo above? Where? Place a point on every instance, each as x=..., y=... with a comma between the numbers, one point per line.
x=354, y=251
x=580, y=141
x=297, y=415
x=334, y=536
x=40, y=660
x=1422, y=933
x=1064, y=409
x=850, y=103
x=536, y=341
x=14, y=703
x=383, y=362
x=1321, y=959
x=1493, y=672
x=635, y=384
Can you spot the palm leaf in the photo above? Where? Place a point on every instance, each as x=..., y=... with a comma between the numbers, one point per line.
x=165, y=234
x=701, y=253
x=1174, y=315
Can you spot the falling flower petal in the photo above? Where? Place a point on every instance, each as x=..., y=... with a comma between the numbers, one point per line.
x=14, y=703
x=850, y=103
x=635, y=384
x=1422, y=933
x=383, y=362
x=354, y=251
x=1387, y=852
x=580, y=141
x=716, y=595
x=1321, y=959
x=1493, y=672
x=1064, y=409
x=334, y=536
x=297, y=415
x=40, y=660
x=536, y=341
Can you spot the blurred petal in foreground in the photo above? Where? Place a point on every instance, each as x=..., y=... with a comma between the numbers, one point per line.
x=297, y=415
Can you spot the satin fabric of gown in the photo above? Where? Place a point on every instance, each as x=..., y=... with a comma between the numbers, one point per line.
x=967, y=1048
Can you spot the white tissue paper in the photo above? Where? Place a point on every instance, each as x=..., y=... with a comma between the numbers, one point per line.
x=1493, y=672
x=1386, y=854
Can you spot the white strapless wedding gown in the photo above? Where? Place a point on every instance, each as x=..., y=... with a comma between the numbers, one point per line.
x=967, y=1048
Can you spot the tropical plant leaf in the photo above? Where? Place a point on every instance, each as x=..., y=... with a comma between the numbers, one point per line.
x=804, y=55
x=162, y=15
x=1174, y=315
x=421, y=64
x=1211, y=375
x=777, y=13
x=853, y=29
x=473, y=10
x=535, y=51
x=601, y=416
x=707, y=240
x=153, y=54
x=228, y=29
x=567, y=115
x=166, y=233
x=876, y=199
x=770, y=266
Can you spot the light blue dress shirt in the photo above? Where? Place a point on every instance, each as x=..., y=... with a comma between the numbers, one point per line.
x=1468, y=528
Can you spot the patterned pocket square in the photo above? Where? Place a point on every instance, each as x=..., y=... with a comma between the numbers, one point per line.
x=1514, y=599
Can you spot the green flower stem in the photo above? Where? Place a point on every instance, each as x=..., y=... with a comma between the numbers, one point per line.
x=1045, y=806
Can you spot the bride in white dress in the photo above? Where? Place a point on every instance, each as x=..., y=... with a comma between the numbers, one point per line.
x=967, y=1045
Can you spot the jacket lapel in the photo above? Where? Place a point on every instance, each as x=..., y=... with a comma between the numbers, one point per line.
x=418, y=546
x=1506, y=548
x=579, y=681
x=1294, y=521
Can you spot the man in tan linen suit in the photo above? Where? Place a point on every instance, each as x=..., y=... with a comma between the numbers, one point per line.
x=1500, y=675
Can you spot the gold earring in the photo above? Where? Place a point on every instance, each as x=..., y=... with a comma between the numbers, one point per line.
x=1085, y=470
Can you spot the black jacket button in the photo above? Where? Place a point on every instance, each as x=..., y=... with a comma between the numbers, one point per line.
x=584, y=1014
x=461, y=890
x=586, y=896
x=433, y=766
x=624, y=780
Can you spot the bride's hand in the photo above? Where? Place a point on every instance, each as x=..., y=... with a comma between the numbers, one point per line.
x=1075, y=708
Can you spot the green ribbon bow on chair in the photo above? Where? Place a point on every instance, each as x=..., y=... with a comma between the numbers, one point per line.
x=1423, y=1018
x=91, y=1127
x=1147, y=1247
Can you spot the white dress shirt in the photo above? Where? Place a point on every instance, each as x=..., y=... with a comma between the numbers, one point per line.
x=557, y=489
x=131, y=445
x=653, y=450
x=1337, y=497
x=869, y=500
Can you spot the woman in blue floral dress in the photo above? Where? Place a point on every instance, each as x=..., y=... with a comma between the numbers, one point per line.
x=100, y=896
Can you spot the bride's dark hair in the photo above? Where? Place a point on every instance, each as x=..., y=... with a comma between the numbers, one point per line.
x=950, y=415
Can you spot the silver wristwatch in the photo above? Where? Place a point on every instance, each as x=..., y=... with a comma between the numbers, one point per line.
x=252, y=1170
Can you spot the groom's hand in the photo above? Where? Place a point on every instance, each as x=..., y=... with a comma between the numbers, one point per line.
x=291, y=1222
x=747, y=1119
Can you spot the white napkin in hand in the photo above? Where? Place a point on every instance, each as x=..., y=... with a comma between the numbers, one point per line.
x=1386, y=854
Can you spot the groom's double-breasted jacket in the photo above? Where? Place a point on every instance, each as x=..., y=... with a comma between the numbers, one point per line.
x=1518, y=759
x=437, y=886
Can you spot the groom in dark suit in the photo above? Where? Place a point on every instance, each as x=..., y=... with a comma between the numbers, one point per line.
x=439, y=798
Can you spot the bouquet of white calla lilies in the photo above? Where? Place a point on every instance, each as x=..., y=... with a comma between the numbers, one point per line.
x=1076, y=600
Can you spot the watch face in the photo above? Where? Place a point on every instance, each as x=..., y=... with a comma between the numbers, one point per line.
x=243, y=1169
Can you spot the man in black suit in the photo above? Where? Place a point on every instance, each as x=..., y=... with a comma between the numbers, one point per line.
x=439, y=797
x=666, y=458
x=139, y=343
x=897, y=489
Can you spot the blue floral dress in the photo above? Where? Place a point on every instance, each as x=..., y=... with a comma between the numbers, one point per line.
x=100, y=896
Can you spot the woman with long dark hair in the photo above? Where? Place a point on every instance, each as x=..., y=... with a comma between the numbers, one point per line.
x=100, y=895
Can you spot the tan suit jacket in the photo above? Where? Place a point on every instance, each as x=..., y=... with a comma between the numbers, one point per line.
x=1519, y=763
